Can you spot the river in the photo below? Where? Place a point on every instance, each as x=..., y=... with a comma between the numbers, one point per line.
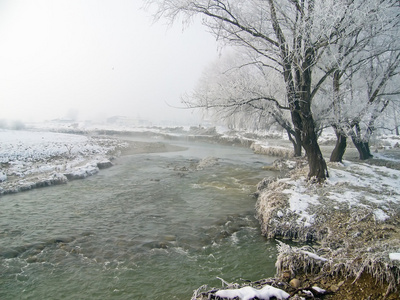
x=151, y=227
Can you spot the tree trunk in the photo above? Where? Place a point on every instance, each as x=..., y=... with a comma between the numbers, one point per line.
x=297, y=149
x=340, y=147
x=361, y=144
x=341, y=138
x=363, y=149
x=318, y=168
x=395, y=120
x=296, y=142
x=305, y=129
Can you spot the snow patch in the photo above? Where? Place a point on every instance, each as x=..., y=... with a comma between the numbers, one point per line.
x=313, y=255
x=30, y=158
x=380, y=215
x=247, y=293
x=319, y=290
x=394, y=256
x=299, y=201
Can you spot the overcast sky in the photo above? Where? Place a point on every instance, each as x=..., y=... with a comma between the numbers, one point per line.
x=94, y=59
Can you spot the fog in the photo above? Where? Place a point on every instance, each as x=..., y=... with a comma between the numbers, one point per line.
x=95, y=59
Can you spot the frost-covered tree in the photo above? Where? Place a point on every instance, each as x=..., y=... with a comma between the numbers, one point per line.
x=375, y=97
x=389, y=121
x=365, y=75
x=237, y=90
x=364, y=69
x=289, y=36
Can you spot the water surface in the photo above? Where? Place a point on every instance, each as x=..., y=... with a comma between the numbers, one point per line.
x=151, y=227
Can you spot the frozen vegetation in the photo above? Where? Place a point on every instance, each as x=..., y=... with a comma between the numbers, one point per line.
x=351, y=221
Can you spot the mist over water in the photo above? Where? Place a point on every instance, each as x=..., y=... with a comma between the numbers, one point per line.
x=151, y=227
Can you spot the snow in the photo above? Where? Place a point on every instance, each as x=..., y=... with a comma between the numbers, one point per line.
x=30, y=157
x=380, y=215
x=313, y=255
x=30, y=145
x=390, y=141
x=351, y=185
x=299, y=202
x=319, y=290
x=394, y=256
x=247, y=293
x=364, y=185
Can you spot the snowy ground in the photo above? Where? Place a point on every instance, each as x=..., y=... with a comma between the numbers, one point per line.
x=32, y=159
x=352, y=219
x=372, y=189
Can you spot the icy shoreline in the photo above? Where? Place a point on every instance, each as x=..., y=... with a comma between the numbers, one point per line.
x=33, y=159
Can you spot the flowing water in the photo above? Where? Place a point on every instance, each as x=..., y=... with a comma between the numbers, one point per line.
x=151, y=227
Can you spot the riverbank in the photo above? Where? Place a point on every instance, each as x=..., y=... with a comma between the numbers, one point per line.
x=351, y=221
x=346, y=231
x=35, y=159
x=44, y=156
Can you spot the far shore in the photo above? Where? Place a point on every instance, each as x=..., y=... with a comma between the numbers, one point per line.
x=56, y=158
x=138, y=147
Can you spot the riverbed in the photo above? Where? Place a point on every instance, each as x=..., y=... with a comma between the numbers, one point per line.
x=154, y=226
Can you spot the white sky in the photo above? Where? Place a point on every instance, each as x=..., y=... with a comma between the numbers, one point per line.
x=97, y=58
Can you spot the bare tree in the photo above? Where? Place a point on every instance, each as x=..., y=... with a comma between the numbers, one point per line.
x=388, y=122
x=236, y=89
x=366, y=66
x=290, y=37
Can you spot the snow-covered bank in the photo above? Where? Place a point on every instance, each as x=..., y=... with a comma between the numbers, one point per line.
x=351, y=222
x=31, y=159
x=353, y=218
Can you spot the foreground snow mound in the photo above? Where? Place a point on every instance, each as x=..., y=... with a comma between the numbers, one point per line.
x=247, y=293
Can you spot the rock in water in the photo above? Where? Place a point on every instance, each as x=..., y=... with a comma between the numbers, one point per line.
x=207, y=162
x=104, y=164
